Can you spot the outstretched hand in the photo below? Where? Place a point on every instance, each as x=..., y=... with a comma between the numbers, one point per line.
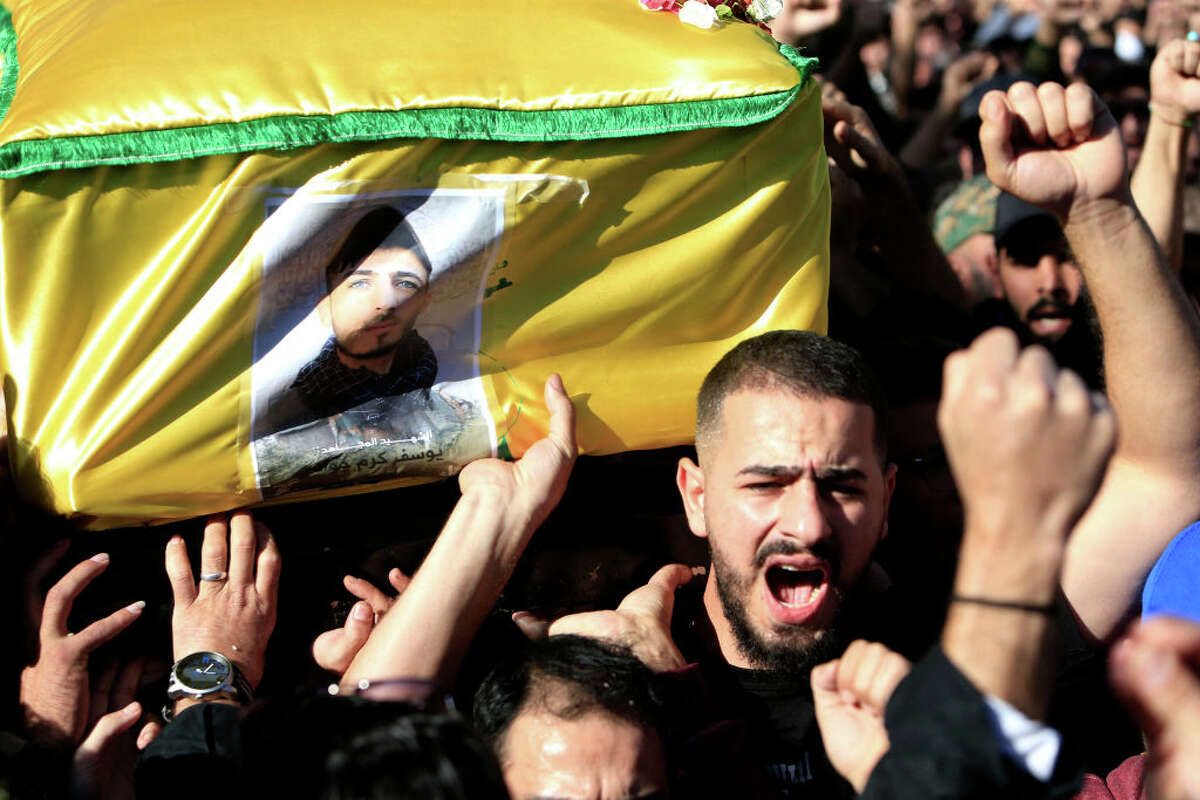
x=852, y=142
x=642, y=622
x=850, y=695
x=103, y=765
x=55, y=691
x=531, y=486
x=232, y=612
x=334, y=649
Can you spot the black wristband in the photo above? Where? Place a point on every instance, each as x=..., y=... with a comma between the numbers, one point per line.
x=1011, y=605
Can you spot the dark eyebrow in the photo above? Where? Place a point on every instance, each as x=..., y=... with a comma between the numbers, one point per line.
x=407, y=272
x=840, y=474
x=830, y=473
x=771, y=471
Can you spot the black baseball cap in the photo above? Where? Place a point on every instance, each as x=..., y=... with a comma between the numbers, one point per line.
x=1012, y=211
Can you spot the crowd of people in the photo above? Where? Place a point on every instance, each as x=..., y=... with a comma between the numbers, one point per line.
x=950, y=546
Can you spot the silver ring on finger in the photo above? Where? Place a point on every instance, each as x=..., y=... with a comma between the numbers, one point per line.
x=213, y=576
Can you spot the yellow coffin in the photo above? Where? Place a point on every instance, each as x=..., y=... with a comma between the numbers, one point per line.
x=279, y=250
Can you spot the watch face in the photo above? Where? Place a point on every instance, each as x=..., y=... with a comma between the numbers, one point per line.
x=203, y=671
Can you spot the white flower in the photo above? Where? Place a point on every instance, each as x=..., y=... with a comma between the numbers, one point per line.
x=695, y=12
x=765, y=10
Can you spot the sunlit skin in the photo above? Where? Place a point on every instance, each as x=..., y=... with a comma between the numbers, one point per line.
x=1050, y=285
x=373, y=308
x=800, y=471
x=593, y=757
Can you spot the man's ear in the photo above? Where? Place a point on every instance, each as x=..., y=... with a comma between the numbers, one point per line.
x=689, y=478
x=323, y=312
x=991, y=263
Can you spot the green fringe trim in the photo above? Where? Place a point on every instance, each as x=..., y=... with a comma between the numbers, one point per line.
x=8, y=52
x=286, y=132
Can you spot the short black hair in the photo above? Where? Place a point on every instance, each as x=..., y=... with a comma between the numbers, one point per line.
x=351, y=748
x=802, y=362
x=570, y=676
x=372, y=230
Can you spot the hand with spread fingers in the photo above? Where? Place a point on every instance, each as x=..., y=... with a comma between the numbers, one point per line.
x=231, y=610
x=1056, y=148
x=426, y=632
x=853, y=143
x=850, y=695
x=333, y=650
x=642, y=622
x=103, y=764
x=55, y=691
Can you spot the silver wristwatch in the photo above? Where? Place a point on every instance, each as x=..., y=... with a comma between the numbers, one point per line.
x=206, y=675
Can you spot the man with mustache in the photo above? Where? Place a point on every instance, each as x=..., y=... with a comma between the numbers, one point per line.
x=377, y=284
x=1045, y=298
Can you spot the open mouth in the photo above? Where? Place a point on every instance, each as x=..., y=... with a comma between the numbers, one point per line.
x=1049, y=320
x=793, y=587
x=795, y=592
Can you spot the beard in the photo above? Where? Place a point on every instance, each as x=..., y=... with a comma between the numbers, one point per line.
x=792, y=650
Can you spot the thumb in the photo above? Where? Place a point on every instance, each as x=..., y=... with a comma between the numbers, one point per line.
x=149, y=733
x=108, y=728
x=657, y=597
x=533, y=627
x=1155, y=685
x=824, y=678
x=824, y=688
x=995, y=138
x=334, y=650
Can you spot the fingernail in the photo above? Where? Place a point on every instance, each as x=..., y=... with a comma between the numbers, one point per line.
x=136, y=608
x=176, y=539
x=520, y=615
x=100, y=558
x=132, y=710
x=362, y=612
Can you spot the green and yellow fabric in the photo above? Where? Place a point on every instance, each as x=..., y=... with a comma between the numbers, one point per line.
x=167, y=169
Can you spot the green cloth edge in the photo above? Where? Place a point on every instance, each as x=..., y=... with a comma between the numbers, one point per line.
x=8, y=50
x=286, y=132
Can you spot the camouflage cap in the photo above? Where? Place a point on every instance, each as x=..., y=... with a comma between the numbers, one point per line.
x=970, y=209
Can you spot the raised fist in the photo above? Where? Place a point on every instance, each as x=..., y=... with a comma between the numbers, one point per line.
x=1175, y=81
x=1053, y=147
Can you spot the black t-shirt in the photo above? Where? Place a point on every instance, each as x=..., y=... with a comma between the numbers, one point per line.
x=783, y=740
x=781, y=726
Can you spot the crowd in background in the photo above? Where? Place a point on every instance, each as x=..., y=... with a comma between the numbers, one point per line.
x=949, y=547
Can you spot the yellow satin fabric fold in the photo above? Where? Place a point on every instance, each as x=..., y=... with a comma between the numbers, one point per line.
x=129, y=297
x=96, y=66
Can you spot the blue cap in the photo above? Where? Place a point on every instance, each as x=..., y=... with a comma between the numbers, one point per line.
x=1174, y=584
